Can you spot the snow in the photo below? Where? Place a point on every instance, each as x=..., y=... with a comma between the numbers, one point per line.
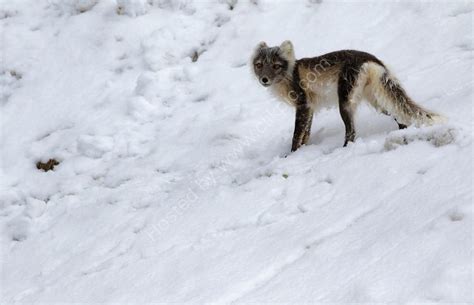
x=176, y=183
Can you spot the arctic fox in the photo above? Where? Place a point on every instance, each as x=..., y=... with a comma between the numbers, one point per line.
x=340, y=78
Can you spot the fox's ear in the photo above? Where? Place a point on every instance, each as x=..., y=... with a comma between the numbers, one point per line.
x=262, y=45
x=286, y=48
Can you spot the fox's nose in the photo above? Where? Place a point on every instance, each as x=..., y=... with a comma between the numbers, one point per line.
x=264, y=80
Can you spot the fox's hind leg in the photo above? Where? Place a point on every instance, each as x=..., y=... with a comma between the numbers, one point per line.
x=400, y=126
x=370, y=97
x=348, y=92
x=348, y=120
x=373, y=101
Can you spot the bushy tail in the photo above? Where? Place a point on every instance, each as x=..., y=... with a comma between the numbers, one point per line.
x=393, y=98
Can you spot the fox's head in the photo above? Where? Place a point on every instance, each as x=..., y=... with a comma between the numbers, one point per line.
x=271, y=65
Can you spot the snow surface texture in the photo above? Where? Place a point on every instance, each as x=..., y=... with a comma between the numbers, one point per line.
x=172, y=185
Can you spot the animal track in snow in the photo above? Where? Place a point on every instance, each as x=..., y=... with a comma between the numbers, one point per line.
x=9, y=81
x=323, y=193
x=456, y=216
x=95, y=146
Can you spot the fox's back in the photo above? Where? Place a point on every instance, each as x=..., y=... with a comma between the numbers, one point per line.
x=351, y=58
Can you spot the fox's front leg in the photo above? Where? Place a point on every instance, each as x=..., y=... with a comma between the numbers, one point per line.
x=307, y=133
x=303, y=120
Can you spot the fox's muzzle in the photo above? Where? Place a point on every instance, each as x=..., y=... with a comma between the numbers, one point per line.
x=265, y=81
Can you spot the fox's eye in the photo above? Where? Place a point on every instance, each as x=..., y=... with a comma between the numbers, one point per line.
x=259, y=65
x=277, y=66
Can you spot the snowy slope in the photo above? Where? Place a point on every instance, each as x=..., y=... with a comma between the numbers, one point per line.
x=172, y=185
